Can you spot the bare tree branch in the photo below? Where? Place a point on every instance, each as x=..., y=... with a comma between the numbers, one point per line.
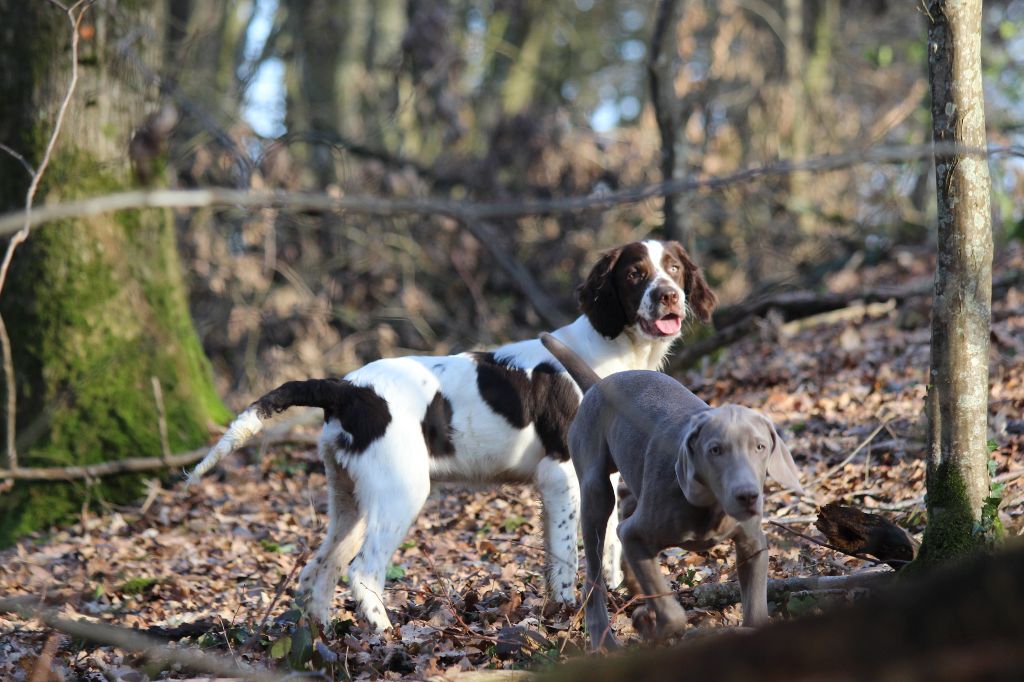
x=466, y=210
x=489, y=237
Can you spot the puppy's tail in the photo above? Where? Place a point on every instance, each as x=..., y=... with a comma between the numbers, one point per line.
x=580, y=371
x=322, y=393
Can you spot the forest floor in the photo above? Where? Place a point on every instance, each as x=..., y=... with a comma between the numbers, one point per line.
x=465, y=589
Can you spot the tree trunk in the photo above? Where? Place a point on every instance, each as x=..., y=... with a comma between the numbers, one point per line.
x=957, y=476
x=313, y=96
x=96, y=307
x=670, y=113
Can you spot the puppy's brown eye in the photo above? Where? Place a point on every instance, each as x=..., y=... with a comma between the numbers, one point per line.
x=633, y=275
x=714, y=450
x=760, y=447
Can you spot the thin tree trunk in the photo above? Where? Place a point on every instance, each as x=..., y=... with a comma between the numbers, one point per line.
x=957, y=476
x=313, y=95
x=668, y=110
x=96, y=307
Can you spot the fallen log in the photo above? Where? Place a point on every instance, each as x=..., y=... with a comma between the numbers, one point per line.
x=964, y=621
x=720, y=595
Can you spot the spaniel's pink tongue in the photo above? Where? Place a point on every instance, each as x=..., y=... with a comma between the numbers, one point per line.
x=668, y=325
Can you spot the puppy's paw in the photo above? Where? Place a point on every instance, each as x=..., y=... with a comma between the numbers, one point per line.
x=670, y=627
x=644, y=622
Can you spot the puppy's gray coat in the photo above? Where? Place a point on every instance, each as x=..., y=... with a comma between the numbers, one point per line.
x=696, y=472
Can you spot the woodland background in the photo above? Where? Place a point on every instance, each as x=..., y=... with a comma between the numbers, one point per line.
x=513, y=100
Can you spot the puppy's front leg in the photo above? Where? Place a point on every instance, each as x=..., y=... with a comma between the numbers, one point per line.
x=642, y=556
x=752, y=565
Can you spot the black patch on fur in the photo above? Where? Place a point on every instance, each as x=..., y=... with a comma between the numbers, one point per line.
x=437, y=427
x=359, y=409
x=547, y=399
x=555, y=403
x=505, y=388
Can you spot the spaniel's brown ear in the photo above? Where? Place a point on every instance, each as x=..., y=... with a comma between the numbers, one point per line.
x=699, y=297
x=599, y=299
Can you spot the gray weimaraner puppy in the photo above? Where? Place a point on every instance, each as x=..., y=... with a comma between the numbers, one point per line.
x=696, y=473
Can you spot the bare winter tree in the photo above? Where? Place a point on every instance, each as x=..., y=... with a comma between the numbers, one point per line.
x=957, y=476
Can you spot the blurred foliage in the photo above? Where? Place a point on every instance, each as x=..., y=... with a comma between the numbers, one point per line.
x=528, y=99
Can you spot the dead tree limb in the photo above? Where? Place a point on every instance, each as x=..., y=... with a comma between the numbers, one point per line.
x=460, y=209
x=736, y=322
x=720, y=595
x=128, y=465
x=489, y=237
x=136, y=642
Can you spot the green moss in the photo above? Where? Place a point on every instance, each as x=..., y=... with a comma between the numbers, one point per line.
x=96, y=308
x=951, y=533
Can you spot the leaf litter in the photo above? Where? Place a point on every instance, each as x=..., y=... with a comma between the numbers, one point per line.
x=216, y=565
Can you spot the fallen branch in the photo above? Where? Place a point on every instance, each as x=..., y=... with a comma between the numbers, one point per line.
x=736, y=322
x=793, y=305
x=720, y=595
x=134, y=641
x=693, y=352
x=128, y=465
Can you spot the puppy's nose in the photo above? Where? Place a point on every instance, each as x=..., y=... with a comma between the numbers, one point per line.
x=748, y=499
x=667, y=296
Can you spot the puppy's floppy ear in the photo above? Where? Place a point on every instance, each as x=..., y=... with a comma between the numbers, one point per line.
x=686, y=473
x=699, y=296
x=781, y=466
x=599, y=298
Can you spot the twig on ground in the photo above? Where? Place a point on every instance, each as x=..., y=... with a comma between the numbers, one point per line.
x=254, y=640
x=134, y=641
x=822, y=543
x=849, y=458
x=128, y=465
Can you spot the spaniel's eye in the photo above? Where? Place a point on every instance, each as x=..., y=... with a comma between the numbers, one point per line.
x=673, y=269
x=714, y=450
x=760, y=447
x=633, y=274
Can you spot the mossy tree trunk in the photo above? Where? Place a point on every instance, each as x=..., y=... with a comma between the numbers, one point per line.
x=957, y=475
x=96, y=307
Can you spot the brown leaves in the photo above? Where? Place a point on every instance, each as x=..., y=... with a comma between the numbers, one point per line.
x=205, y=565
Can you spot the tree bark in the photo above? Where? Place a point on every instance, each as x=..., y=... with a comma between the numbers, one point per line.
x=313, y=96
x=95, y=307
x=669, y=112
x=957, y=476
